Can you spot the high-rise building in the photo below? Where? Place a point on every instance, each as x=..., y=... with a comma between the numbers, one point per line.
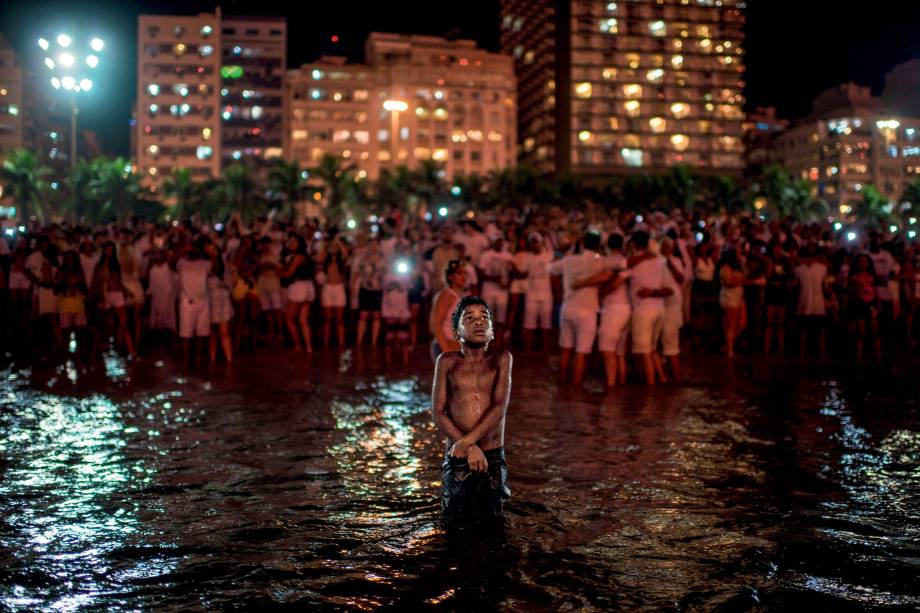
x=636, y=85
x=851, y=140
x=12, y=94
x=252, y=76
x=178, y=96
x=415, y=98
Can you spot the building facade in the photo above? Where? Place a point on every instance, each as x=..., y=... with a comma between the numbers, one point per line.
x=252, y=75
x=178, y=96
x=12, y=95
x=630, y=86
x=415, y=98
x=851, y=140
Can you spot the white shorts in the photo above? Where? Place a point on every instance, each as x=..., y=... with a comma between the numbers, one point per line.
x=114, y=300
x=270, y=300
x=646, y=328
x=614, y=323
x=19, y=280
x=670, y=330
x=333, y=296
x=194, y=318
x=538, y=309
x=577, y=330
x=301, y=291
x=497, y=299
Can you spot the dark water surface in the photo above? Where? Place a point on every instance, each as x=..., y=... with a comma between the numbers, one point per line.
x=285, y=482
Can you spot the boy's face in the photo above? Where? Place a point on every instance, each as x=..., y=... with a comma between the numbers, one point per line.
x=475, y=325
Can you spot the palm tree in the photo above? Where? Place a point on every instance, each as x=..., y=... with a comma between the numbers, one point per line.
x=679, y=188
x=115, y=187
x=910, y=199
x=286, y=182
x=240, y=193
x=339, y=183
x=80, y=203
x=472, y=190
x=875, y=209
x=25, y=179
x=185, y=192
x=429, y=184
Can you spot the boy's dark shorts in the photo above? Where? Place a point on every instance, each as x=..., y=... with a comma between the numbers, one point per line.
x=474, y=496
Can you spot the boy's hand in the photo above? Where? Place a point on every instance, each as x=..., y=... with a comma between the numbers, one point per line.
x=477, y=459
x=461, y=449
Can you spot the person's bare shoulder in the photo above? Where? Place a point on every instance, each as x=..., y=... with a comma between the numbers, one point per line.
x=449, y=358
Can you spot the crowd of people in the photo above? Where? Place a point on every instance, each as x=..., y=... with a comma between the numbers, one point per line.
x=637, y=288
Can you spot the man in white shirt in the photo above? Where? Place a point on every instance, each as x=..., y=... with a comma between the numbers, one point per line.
x=532, y=266
x=647, y=293
x=886, y=269
x=194, y=312
x=496, y=265
x=811, y=275
x=578, y=317
x=673, y=305
x=615, y=313
x=475, y=241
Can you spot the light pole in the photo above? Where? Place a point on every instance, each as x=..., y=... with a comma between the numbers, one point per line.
x=394, y=107
x=71, y=65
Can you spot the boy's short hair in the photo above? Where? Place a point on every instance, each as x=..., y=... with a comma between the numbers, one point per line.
x=615, y=241
x=452, y=267
x=592, y=241
x=468, y=301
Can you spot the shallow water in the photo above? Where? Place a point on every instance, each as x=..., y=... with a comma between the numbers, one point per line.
x=314, y=482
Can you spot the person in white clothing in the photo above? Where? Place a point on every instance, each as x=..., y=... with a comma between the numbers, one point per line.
x=615, y=313
x=194, y=309
x=811, y=276
x=473, y=240
x=673, y=306
x=496, y=265
x=581, y=273
x=531, y=265
x=647, y=292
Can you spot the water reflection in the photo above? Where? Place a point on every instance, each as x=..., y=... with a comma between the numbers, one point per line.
x=305, y=484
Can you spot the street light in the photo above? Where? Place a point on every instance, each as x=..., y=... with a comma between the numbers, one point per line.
x=71, y=64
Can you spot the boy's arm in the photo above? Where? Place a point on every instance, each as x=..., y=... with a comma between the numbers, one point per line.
x=496, y=411
x=439, y=401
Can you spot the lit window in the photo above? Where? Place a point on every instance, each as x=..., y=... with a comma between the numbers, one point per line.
x=317, y=74
x=657, y=124
x=154, y=108
x=475, y=135
x=337, y=96
x=204, y=152
x=383, y=135
x=632, y=90
x=316, y=94
x=439, y=155
x=495, y=136
x=180, y=89
x=632, y=108
x=703, y=31
x=205, y=50
x=680, y=109
x=727, y=60
x=179, y=49
x=611, y=7
x=458, y=137
x=529, y=57
x=153, y=89
x=584, y=136
x=154, y=150
x=422, y=153
x=677, y=61
x=655, y=75
x=403, y=133
x=705, y=45
x=609, y=26
x=632, y=157
x=680, y=142
x=657, y=28
x=632, y=60
x=206, y=133
x=206, y=30
x=360, y=94
x=609, y=73
x=529, y=143
x=362, y=136
x=440, y=113
x=299, y=135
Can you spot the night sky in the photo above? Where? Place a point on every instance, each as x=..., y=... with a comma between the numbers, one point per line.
x=795, y=49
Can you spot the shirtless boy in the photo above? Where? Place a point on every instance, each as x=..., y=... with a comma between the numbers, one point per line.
x=469, y=401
